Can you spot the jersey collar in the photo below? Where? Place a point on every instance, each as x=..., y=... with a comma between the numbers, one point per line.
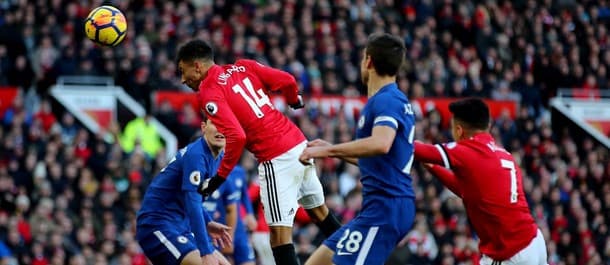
x=211, y=72
x=388, y=87
x=483, y=137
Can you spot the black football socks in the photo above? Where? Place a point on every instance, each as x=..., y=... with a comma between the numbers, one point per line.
x=285, y=255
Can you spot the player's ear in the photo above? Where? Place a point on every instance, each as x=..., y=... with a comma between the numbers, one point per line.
x=203, y=125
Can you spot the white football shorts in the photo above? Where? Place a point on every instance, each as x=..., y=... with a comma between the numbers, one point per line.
x=285, y=183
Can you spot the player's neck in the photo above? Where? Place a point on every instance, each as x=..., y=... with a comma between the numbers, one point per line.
x=377, y=82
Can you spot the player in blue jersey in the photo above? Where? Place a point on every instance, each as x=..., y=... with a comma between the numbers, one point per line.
x=384, y=152
x=223, y=206
x=172, y=227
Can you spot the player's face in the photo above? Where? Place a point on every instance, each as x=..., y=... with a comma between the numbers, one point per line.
x=364, y=65
x=212, y=136
x=457, y=131
x=191, y=73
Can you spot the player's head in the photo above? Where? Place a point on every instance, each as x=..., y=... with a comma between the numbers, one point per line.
x=383, y=55
x=215, y=140
x=470, y=115
x=194, y=59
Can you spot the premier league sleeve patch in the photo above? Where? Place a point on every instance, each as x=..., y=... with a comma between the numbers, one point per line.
x=211, y=108
x=195, y=178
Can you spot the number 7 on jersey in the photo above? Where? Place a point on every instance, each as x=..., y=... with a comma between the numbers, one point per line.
x=510, y=165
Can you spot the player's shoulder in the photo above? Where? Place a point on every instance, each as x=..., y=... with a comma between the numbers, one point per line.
x=194, y=148
x=249, y=63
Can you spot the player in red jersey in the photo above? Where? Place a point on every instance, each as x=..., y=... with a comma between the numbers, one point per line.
x=235, y=96
x=490, y=184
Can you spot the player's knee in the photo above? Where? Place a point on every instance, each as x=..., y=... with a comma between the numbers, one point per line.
x=280, y=235
x=191, y=258
x=312, y=201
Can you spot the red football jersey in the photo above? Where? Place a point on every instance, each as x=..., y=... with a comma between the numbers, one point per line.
x=490, y=184
x=235, y=97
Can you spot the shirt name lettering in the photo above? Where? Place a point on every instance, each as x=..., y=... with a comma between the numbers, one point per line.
x=223, y=77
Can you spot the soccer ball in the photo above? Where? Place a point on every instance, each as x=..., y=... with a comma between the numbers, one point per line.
x=106, y=25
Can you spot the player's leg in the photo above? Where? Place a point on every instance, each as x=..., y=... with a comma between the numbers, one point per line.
x=312, y=199
x=260, y=242
x=192, y=258
x=279, y=189
x=164, y=245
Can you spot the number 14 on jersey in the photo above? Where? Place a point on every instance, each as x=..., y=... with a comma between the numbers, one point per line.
x=255, y=99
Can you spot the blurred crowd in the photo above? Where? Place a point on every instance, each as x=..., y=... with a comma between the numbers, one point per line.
x=69, y=197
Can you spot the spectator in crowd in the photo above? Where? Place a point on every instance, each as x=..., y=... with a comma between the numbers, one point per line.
x=141, y=134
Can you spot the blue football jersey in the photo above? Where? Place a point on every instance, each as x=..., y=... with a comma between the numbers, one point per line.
x=215, y=205
x=388, y=174
x=173, y=191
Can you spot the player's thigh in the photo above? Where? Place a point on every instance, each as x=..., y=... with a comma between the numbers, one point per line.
x=166, y=246
x=311, y=194
x=279, y=188
x=322, y=256
x=192, y=258
x=360, y=242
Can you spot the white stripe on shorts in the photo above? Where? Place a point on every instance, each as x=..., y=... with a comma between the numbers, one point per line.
x=168, y=244
x=366, y=246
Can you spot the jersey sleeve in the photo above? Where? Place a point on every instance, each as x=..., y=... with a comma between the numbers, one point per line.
x=197, y=221
x=385, y=112
x=193, y=169
x=221, y=115
x=447, y=154
x=275, y=80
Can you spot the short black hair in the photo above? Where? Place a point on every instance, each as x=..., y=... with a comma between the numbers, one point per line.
x=195, y=49
x=387, y=53
x=471, y=112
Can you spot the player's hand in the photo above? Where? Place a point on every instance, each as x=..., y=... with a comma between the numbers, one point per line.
x=220, y=234
x=318, y=142
x=208, y=186
x=251, y=222
x=299, y=104
x=210, y=259
x=428, y=165
x=312, y=152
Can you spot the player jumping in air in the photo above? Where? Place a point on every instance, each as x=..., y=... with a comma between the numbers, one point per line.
x=235, y=96
x=384, y=152
x=171, y=225
x=489, y=182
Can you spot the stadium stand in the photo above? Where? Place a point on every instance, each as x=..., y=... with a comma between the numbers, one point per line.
x=67, y=196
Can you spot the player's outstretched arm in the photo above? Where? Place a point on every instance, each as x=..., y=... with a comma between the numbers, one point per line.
x=446, y=176
x=320, y=142
x=276, y=80
x=379, y=143
x=427, y=153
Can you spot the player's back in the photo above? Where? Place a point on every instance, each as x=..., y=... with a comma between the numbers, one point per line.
x=493, y=195
x=389, y=174
x=245, y=86
x=164, y=200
